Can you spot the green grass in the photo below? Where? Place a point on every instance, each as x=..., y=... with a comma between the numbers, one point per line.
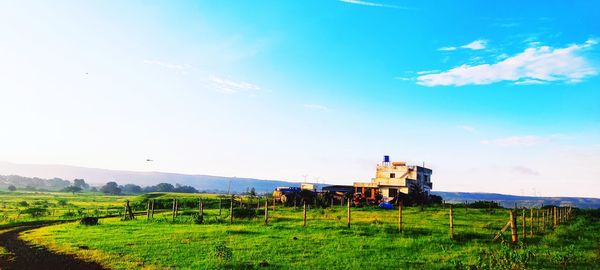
x=372, y=242
x=57, y=205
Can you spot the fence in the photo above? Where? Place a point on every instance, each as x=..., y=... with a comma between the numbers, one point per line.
x=532, y=221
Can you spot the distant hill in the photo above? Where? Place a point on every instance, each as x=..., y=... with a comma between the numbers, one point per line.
x=220, y=184
x=510, y=200
x=101, y=176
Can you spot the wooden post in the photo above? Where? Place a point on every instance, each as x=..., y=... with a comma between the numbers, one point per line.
x=152, y=214
x=201, y=206
x=348, y=221
x=295, y=204
x=241, y=199
x=400, y=217
x=220, y=205
x=543, y=220
x=257, y=203
x=531, y=222
x=174, y=214
x=304, y=217
x=231, y=210
x=513, y=227
x=266, y=211
x=451, y=223
x=148, y=211
x=524, y=223
x=273, y=204
x=537, y=218
x=555, y=218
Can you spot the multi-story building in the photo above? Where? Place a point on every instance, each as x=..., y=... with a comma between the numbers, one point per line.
x=396, y=177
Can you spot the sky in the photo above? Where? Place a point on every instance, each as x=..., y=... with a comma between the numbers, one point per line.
x=497, y=96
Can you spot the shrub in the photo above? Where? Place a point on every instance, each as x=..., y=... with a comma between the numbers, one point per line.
x=35, y=211
x=23, y=203
x=244, y=213
x=222, y=252
x=89, y=221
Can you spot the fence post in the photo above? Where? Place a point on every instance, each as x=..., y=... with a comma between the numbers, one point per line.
x=304, y=218
x=400, y=217
x=524, y=223
x=152, y=215
x=451, y=223
x=148, y=211
x=555, y=217
x=513, y=227
x=537, y=218
x=220, y=206
x=173, y=210
x=231, y=210
x=531, y=222
x=201, y=210
x=543, y=220
x=273, y=204
x=266, y=212
x=348, y=221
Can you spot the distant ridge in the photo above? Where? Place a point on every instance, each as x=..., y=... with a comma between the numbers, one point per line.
x=521, y=201
x=101, y=176
x=220, y=184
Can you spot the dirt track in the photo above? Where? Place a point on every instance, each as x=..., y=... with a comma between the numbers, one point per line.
x=24, y=256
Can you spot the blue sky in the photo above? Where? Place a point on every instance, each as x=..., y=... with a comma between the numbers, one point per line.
x=494, y=96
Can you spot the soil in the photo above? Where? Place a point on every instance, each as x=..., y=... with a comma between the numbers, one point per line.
x=24, y=256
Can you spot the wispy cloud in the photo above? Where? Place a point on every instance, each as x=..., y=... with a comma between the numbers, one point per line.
x=534, y=65
x=467, y=128
x=525, y=170
x=479, y=44
x=528, y=140
x=447, y=49
x=371, y=4
x=229, y=86
x=167, y=65
x=316, y=107
x=475, y=45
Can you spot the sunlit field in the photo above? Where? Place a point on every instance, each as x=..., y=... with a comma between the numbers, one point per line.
x=371, y=242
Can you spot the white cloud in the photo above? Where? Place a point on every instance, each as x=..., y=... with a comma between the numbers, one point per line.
x=528, y=140
x=316, y=107
x=467, y=128
x=475, y=45
x=167, y=65
x=447, y=49
x=525, y=170
x=229, y=86
x=371, y=4
x=540, y=64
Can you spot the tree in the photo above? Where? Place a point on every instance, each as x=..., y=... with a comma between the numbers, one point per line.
x=165, y=187
x=131, y=189
x=72, y=189
x=12, y=188
x=111, y=188
x=81, y=183
x=253, y=192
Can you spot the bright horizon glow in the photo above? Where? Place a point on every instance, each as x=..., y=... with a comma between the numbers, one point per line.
x=492, y=98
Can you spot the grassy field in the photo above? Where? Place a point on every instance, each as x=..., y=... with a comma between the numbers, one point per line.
x=372, y=241
x=18, y=207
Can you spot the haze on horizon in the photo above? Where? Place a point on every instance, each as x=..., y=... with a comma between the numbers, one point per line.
x=492, y=97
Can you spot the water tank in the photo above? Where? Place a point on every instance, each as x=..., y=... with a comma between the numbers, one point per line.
x=386, y=158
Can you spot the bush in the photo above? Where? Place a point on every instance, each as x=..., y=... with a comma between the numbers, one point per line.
x=222, y=252
x=23, y=203
x=88, y=221
x=245, y=213
x=35, y=211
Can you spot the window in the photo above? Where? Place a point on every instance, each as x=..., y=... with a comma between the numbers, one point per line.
x=392, y=175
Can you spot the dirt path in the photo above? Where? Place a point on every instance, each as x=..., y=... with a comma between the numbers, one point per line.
x=24, y=256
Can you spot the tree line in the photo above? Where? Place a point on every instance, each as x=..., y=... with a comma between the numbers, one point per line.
x=16, y=182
